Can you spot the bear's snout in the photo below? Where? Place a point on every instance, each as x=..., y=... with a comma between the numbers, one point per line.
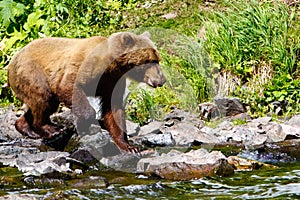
x=154, y=76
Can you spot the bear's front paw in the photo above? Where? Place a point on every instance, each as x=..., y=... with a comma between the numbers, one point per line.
x=124, y=146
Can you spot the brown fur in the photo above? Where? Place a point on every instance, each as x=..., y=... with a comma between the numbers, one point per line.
x=53, y=70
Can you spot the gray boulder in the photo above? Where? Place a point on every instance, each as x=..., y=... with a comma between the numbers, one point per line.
x=32, y=162
x=186, y=134
x=176, y=165
x=165, y=139
x=294, y=121
x=152, y=127
x=99, y=145
x=229, y=106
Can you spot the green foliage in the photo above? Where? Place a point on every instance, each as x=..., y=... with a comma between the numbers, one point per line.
x=247, y=35
x=252, y=32
x=142, y=106
x=23, y=21
x=9, y=10
x=146, y=103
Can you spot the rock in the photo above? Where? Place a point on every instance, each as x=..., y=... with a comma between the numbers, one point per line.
x=204, y=138
x=227, y=136
x=179, y=115
x=274, y=132
x=259, y=139
x=23, y=196
x=169, y=15
x=122, y=162
x=64, y=119
x=229, y=106
x=84, y=156
x=225, y=125
x=91, y=182
x=187, y=133
x=44, y=182
x=209, y=111
x=284, y=151
x=11, y=151
x=152, y=127
x=35, y=162
x=242, y=164
x=99, y=145
x=294, y=121
x=132, y=128
x=165, y=139
x=291, y=132
x=94, y=129
x=173, y=115
x=169, y=123
x=260, y=121
x=176, y=165
x=7, y=125
x=208, y=130
x=242, y=117
x=183, y=133
x=241, y=134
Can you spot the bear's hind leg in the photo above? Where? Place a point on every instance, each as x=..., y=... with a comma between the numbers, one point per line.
x=24, y=125
x=41, y=117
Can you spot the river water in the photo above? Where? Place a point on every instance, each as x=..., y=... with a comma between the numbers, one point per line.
x=280, y=183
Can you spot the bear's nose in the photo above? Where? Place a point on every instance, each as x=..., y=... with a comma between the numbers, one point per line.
x=158, y=83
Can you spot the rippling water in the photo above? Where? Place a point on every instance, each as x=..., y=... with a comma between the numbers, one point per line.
x=281, y=183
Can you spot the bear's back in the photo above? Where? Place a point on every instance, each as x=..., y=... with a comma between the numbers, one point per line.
x=56, y=58
x=58, y=50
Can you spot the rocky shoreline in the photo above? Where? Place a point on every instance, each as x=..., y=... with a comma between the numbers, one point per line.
x=182, y=147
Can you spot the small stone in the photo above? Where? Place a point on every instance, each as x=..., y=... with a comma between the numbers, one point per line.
x=169, y=123
x=169, y=15
x=152, y=127
x=165, y=139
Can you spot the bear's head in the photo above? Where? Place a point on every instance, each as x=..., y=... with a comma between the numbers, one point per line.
x=138, y=56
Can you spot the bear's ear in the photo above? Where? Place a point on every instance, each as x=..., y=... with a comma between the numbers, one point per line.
x=146, y=34
x=127, y=40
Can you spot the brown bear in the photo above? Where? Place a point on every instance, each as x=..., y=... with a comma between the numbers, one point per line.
x=51, y=71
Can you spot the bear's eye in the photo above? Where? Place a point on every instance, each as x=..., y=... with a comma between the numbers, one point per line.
x=151, y=61
x=154, y=61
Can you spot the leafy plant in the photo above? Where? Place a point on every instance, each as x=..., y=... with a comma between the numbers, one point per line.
x=9, y=10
